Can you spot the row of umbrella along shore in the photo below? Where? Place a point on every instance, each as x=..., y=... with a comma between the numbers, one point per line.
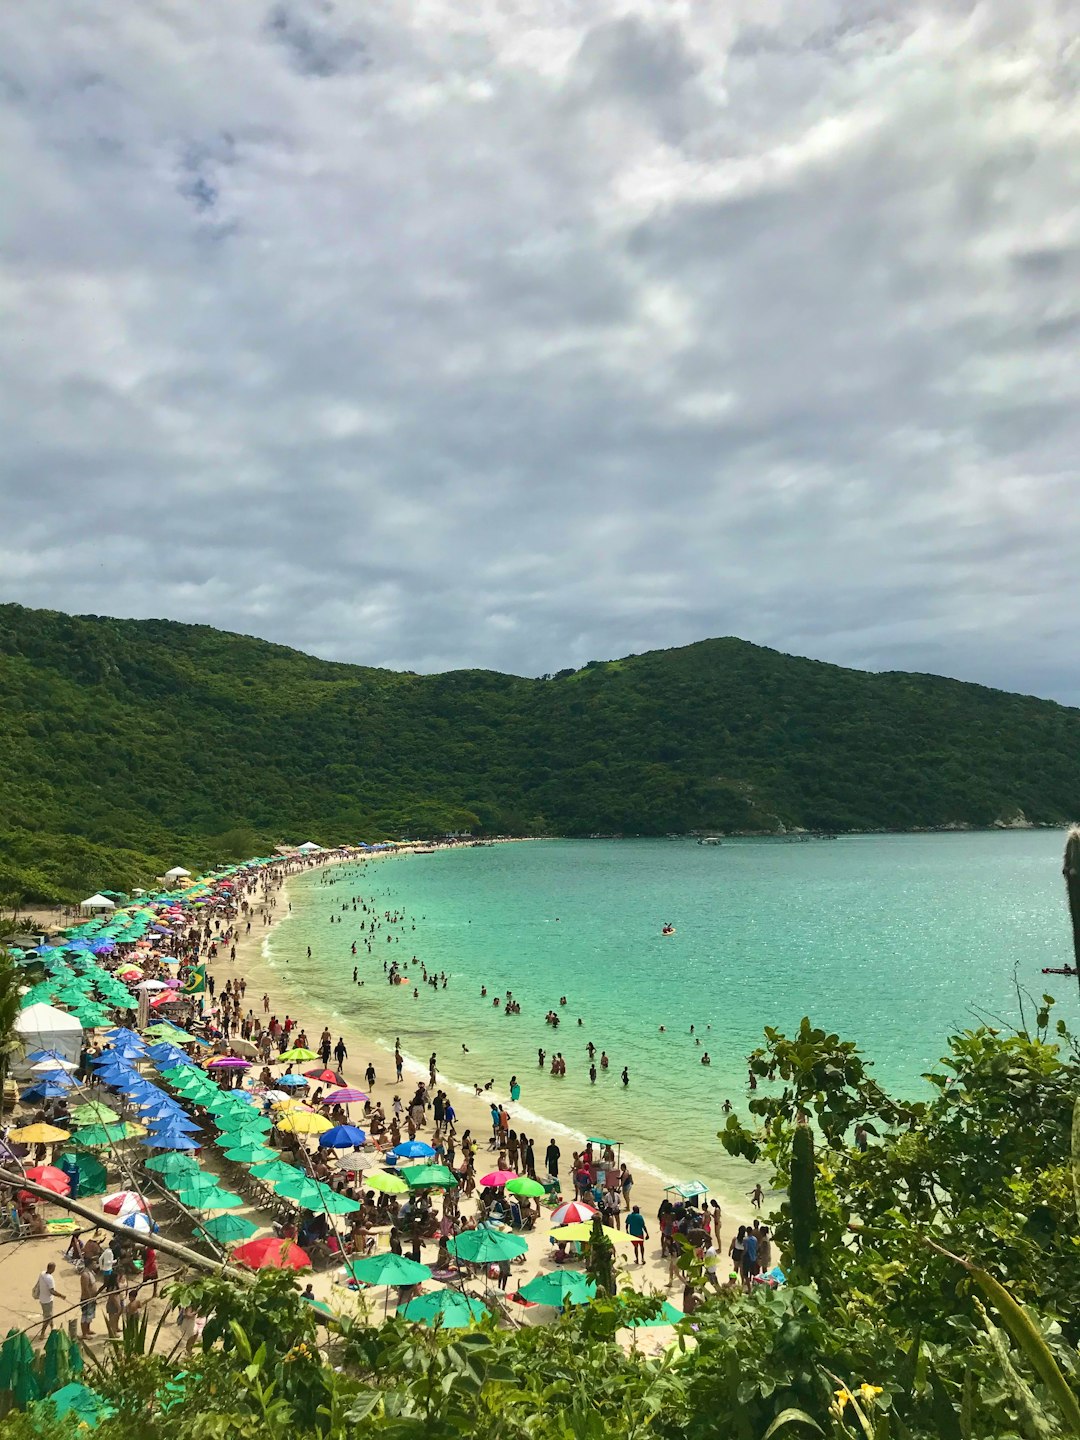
x=243, y=1127
x=86, y=973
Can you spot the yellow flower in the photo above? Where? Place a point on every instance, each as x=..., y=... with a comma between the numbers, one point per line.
x=867, y=1392
x=842, y=1398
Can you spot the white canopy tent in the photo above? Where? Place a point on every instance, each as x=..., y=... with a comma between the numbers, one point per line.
x=177, y=873
x=94, y=904
x=43, y=1027
x=309, y=848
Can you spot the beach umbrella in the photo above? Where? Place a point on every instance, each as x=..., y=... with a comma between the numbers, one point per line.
x=173, y=1164
x=94, y=1112
x=448, y=1308
x=668, y=1316
x=584, y=1232
x=335, y=1204
x=348, y=1096
x=16, y=1354
x=524, y=1186
x=169, y=1142
x=295, y=1056
x=558, y=1287
x=572, y=1213
x=203, y=1198
x=228, y=1229
x=250, y=1154
x=190, y=1178
x=388, y=1269
x=386, y=1182
x=270, y=1253
x=274, y=1097
x=40, y=1134
x=342, y=1137
x=50, y=1177
x=302, y=1122
x=498, y=1178
x=412, y=1150
x=45, y=1090
x=302, y=1190
x=228, y=1062
x=486, y=1247
x=274, y=1171
x=291, y=1081
x=430, y=1177
x=102, y=1137
x=324, y=1077
x=50, y=1063
x=141, y=1224
x=85, y=1406
x=124, y=1202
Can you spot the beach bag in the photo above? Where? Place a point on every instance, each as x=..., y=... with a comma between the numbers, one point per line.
x=35, y=1293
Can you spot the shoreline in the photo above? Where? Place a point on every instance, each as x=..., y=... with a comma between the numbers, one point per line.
x=263, y=976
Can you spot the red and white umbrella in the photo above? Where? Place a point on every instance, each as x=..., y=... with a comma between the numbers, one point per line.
x=124, y=1202
x=571, y=1213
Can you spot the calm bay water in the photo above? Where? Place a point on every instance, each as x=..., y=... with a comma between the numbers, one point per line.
x=893, y=941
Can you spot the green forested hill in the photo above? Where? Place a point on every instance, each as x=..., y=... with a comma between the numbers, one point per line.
x=127, y=743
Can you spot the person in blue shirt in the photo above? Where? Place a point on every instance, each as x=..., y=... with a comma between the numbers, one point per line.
x=638, y=1232
x=749, y=1257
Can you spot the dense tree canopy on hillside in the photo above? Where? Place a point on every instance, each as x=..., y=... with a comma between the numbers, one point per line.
x=123, y=739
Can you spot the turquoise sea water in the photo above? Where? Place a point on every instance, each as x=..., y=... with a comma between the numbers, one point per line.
x=893, y=941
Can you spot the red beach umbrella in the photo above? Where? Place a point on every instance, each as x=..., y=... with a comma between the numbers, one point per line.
x=571, y=1212
x=270, y=1253
x=49, y=1176
x=498, y=1178
x=324, y=1077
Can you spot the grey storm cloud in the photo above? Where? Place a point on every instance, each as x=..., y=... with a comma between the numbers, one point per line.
x=472, y=334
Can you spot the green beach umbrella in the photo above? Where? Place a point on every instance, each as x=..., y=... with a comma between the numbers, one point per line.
x=448, y=1308
x=668, y=1316
x=101, y=1137
x=26, y=1388
x=250, y=1154
x=524, y=1186
x=558, y=1287
x=386, y=1183
x=335, y=1204
x=429, y=1177
x=56, y=1370
x=228, y=1229
x=301, y=1190
x=16, y=1353
x=212, y=1199
x=84, y=1405
x=173, y=1163
x=484, y=1247
x=93, y=1177
x=388, y=1269
x=94, y=1112
x=274, y=1172
x=191, y=1182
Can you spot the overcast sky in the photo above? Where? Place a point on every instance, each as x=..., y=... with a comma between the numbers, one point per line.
x=434, y=334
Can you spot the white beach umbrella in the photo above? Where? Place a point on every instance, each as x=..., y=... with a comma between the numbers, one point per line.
x=153, y=985
x=44, y=1066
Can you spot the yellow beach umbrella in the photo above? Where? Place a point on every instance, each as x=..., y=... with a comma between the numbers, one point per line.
x=290, y=1105
x=38, y=1135
x=303, y=1122
x=583, y=1230
x=291, y=1057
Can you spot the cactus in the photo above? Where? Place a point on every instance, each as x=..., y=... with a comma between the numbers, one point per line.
x=802, y=1202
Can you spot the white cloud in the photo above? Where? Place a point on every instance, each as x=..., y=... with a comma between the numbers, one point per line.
x=520, y=336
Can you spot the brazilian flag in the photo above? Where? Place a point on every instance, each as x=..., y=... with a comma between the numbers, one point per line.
x=195, y=981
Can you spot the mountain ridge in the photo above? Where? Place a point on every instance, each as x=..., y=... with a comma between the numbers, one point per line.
x=129, y=742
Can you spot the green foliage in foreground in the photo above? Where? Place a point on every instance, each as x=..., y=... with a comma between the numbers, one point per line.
x=906, y=1333
x=128, y=744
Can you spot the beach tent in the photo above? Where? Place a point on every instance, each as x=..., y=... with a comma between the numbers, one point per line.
x=177, y=873
x=308, y=848
x=95, y=904
x=43, y=1027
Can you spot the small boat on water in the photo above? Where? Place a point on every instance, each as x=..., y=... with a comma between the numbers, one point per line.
x=1059, y=970
x=710, y=840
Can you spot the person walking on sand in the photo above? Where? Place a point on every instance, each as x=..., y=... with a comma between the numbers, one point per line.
x=369, y=1075
x=45, y=1292
x=756, y=1196
x=638, y=1232
x=341, y=1054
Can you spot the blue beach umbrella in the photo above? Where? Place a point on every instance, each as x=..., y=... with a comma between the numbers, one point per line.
x=175, y=1141
x=290, y=1080
x=411, y=1150
x=45, y=1090
x=343, y=1137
